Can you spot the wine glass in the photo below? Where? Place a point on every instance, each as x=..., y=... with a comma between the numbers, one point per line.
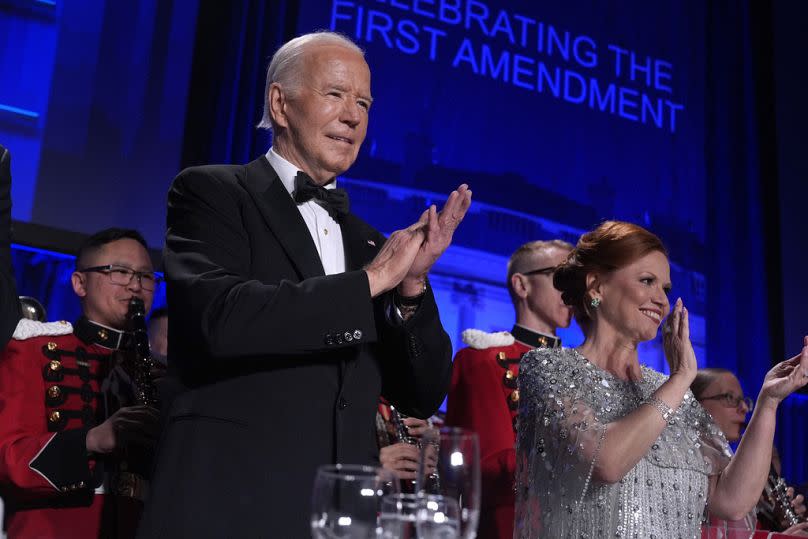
x=346, y=500
x=437, y=517
x=411, y=516
x=450, y=466
x=397, y=516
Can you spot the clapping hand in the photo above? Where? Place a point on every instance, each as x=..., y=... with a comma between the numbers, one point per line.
x=786, y=377
x=395, y=258
x=440, y=228
x=676, y=341
x=407, y=255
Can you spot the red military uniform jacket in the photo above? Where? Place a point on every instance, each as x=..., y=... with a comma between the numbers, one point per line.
x=50, y=396
x=484, y=398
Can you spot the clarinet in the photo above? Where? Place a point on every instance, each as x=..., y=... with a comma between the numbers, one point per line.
x=402, y=434
x=131, y=472
x=775, y=508
x=145, y=392
x=431, y=480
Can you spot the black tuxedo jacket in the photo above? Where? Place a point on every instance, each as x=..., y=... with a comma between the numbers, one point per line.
x=284, y=365
x=9, y=302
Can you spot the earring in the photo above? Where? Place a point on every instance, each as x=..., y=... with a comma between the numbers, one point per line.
x=595, y=303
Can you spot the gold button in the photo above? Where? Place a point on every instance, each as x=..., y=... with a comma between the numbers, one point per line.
x=102, y=334
x=54, y=416
x=52, y=346
x=509, y=374
x=54, y=365
x=54, y=392
x=325, y=231
x=543, y=341
x=501, y=356
x=515, y=395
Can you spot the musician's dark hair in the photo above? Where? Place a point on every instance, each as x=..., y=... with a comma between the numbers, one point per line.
x=93, y=243
x=704, y=378
x=612, y=245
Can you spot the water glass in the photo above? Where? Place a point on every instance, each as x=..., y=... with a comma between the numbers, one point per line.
x=409, y=516
x=346, y=500
x=455, y=455
x=437, y=517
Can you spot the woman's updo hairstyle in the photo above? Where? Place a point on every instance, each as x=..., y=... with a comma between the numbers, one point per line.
x=612, y=245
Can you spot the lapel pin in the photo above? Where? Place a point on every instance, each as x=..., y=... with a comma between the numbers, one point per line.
x=372, y=243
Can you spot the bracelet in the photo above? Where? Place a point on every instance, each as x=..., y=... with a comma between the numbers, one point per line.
x=405, y=312
x=413, y=301
x=666, y=411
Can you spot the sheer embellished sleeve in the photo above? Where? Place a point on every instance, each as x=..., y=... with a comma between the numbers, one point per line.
x=559, y=439
x=714, y=448
x=716, y=452
x=566, y=404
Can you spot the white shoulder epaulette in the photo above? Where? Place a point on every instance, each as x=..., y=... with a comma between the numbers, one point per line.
x=480, y=340
x=28, y=329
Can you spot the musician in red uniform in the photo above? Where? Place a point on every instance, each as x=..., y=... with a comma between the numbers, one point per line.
x=59, y=429
x=483, y=395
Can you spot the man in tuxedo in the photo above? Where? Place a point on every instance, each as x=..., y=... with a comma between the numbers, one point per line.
x=289, y=315
x=484, y=395
x=9, y=303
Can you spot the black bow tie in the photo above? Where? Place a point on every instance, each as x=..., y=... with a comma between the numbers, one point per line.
x=334, y=201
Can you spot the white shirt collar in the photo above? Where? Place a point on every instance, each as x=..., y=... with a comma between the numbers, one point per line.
x=287, y=171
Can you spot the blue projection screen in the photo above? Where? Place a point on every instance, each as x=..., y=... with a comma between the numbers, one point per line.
x=558, y=115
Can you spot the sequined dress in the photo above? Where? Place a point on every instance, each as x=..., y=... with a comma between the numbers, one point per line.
x=566, y=403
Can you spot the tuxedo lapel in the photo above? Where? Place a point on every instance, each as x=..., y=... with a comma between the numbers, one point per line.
x=283, y=218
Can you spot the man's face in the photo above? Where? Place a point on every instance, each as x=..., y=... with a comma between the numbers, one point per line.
x=107, y=303
x=324, y=120
x=543, y=299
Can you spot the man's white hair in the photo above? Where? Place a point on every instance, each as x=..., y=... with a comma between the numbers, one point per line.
x=285, y=66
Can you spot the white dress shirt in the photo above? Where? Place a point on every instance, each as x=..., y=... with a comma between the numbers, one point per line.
x=325, y=231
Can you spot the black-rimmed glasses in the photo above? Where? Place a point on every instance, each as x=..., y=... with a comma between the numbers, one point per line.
x=541, y=271
x=731, y=401
x=121, y=275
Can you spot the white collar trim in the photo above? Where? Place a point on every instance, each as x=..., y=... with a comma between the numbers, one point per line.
x=480, y=340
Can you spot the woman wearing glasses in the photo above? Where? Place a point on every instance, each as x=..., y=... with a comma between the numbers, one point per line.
x=609, y=448
x=719, y=392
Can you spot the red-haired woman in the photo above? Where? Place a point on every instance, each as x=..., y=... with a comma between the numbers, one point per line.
x=610, y=448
